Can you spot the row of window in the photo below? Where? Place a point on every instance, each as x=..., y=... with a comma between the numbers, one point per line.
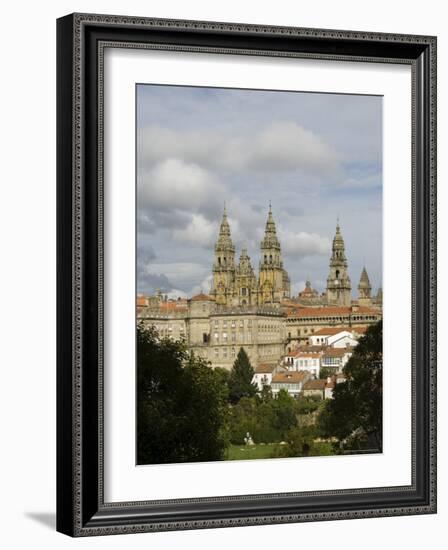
x=224, y=352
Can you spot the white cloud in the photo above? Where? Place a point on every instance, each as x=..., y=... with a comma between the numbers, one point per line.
x=199, y=231
x=286, y=145
x=303, y=244
x=173, y=183
x=279, y=146
x=181, y=272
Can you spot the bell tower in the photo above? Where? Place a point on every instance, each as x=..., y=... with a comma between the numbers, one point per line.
x=274, y=283
x=338, y=282
x=224, y=264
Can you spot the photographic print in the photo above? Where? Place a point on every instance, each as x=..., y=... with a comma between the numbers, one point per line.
x=258, y=274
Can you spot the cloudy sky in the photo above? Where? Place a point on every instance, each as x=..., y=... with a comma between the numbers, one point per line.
x=314, y=156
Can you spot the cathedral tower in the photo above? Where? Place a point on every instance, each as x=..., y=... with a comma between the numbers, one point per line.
x=274, y=283
x=338, y=281
x=224, y=264
x=364, y=289
x=245, y=281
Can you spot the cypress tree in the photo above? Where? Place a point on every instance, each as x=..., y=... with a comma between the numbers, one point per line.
x=240, y=379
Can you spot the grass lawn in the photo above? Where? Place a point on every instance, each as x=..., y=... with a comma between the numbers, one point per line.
x=247, y=452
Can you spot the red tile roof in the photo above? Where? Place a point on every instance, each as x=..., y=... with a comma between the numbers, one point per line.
x=330, y=331
x=142, y=301
x=201, y=298
x=318, y=384
x=331, y=311
x=264, y=368
x=290, y=377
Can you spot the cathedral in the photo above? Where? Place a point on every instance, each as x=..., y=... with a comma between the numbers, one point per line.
x=236, y=284
x=256, y=310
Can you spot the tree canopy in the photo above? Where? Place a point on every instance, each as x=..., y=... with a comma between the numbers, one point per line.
x=181, y=403
x=355, y=416
x=240, y=379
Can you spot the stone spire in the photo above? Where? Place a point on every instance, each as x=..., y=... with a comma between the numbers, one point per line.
x=364, y=281
x=338, y=281
x=270, y=240
x=224, y=263
x=364, y=289
x=274, y=283
x=224, y=238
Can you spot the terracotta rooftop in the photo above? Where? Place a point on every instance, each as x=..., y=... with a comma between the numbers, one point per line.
x=264, y=368
x=331, y=311
x=177, y=305
x=142, y=301
x=330, y=331
x=290, y=377
x=318, y=384
x=201, y=298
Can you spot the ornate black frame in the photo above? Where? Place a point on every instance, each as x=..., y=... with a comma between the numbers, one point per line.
x=81, y=510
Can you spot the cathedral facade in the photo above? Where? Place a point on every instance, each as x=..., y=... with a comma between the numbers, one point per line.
x=236, y=284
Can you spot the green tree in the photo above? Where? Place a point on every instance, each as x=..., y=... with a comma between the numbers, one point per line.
x=181, y=404
x=240, y=379
x=284, y=413
x=355, y=415
x=299, y=442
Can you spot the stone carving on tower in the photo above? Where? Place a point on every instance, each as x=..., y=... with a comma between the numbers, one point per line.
x=338, y=282
x=223, y=286
x=364, y=289
x=273, y=283
x=246, y=281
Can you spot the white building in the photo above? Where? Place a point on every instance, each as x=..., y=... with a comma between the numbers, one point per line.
x=291, y=381
x=326, y=336
x=264, y=373
x=335, y=358
x=306, y=361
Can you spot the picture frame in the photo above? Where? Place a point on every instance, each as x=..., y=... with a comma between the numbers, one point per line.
x=81, y=506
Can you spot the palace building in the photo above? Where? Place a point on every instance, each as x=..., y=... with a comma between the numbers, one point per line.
x=257, y=311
